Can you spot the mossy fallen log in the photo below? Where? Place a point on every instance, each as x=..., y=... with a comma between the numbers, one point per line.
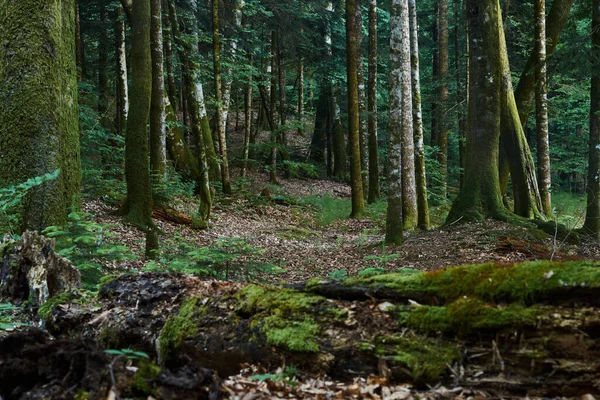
x=525, y=329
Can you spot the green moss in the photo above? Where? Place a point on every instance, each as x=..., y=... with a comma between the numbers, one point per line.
x=467, y=315
x=294, y=335
x=519, y=283
x=337, y=314
x=45, y=310
x=179, y=328
x=106, y=279
x=296, y=233
x=426, y=359
x=254, y=298
x=144, y=377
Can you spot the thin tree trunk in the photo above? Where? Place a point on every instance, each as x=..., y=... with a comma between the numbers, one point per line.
x=409, y=189
x=541, y=95
x=301, y=97
x=442, y=95
x=374, y=191
x=319, y=138
x=103, y=67
x=121, y=76
x=592, y=218
x=336, y=131
x=79, y=45
x=462, y=71
x=272, y=107
x=394, y=224
x=168, y=53
x=222, y=101
x=480, y=196
x=158, y=127
x=138, y=206
x=247, y=120
x=420, y=173
x=362, y=102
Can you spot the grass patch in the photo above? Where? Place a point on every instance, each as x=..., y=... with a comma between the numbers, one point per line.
x=328, y=209
x=569, y=209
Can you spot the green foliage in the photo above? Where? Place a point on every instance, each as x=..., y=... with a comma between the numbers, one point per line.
x=569, y=209
x=371, y=272
x=128, y=354
x=287, y=374
x=338, y=275
x=227, y=259
x=12, y=196
x=9, y=317
x=88, y=245
x=299, y=168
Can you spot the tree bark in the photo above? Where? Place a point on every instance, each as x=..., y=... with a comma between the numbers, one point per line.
x=168, y=52
x=480, y=196
x=39, y=127
x=420, y=173
x=103, y=98
x=374, y=189
x=409, y=188
x=138, y=205
x=158, y=127
x=222, y=100
x=247, y=120
x=541, y=100
x=358, y=202
x=462, y=71
x=300, y=114
x=121, y=78
x=394, y=234
x=442, y=95
x=362, y=101
x=336, y=131
x=319, y=139
x=79, y=45
x=592, y=218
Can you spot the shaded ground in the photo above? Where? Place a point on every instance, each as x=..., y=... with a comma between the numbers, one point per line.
x=302, y=228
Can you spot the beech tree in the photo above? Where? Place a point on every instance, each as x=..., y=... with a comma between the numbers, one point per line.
x=374, y=189
x=158, y=127
x=39, y=119
x=592, y=218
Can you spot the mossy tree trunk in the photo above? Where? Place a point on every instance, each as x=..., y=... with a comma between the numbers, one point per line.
x=122, y=91
x=222, y=102
x=374, y=189
x=272, y=107
x=197, y=112
x=442, y=94
x=541, y=105
x=158, y=127
x=358, y=201
x=480, y=196
x=362, y=101
x=394, y=223
x=420, y=173
x=79, y=47
x=592, y=218
x=138, y=205
x=409, y=188
x=39, y=120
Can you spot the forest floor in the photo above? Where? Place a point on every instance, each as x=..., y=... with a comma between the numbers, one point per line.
x=301, y=226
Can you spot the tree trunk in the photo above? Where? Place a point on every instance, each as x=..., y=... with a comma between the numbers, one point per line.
x=409, y=188
x=541, y=100
x=79, y=45
x=138, y=206
x=374, y=190
x=462, y=72
x=168, y=52
x=39, y=129
x=592, y=218
x=221, y=99
x=420, y=173
x=362, y=101
x=480, y=196
x=336, y=131
x=103, y=98
x=121, y=75
x=301, y=97
x=158, y=127
x=319, y=139
x=247, y=120
x=394, y=223
x=358, y=202
x=198, y=117
x=272, y=106
x=442, y=95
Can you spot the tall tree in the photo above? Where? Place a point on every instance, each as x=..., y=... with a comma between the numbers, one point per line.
x=394, y=222
x=300, y=114
x=592, y=218
x=103, y=95
x=374, y=190
x=122, y=101
x=362, y=101
x=79, y=47
x=442, y=93
x=420, y=173
x=358, y=201
x=138, y=205
x=480, y=196
x=541, y=101
x=39, y=120
x=221, y=101
x=158, y=126
x=409, y=189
